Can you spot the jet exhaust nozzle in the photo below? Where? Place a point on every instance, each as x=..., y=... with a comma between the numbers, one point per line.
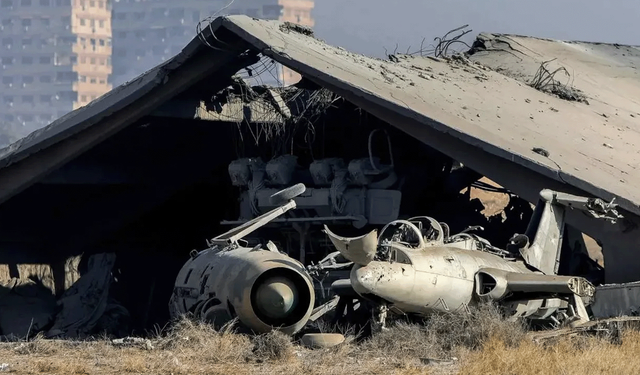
x=281, y=298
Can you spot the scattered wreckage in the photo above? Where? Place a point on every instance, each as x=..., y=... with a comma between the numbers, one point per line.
x=412, y=267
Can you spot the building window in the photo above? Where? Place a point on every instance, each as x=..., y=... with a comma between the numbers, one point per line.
x=102, y=42
x=8, y=99
x=27, y=118
x=45, y=60
x=7, y=80
x=100, y=4
x=27, y=99
x=7, y=61
x=68, y=96
x=122, y=34
x=27, y=79
x=121, y=52
x=6, y=3
x=27, y=42
x=93, y=23
x=101, y=23
x=102, y=81
x=74, y=60
x=92, y=4
x=27, y=60
x=9, y=118
x=93, y=80
x=82, y=22
x=252, y=12
x=26, y=22
x=83, y=98
x=45, y=21
x=93, y=60
x=83, y=78
x=66, y=76
x=7, y=42
x=93, y=97
x=83, y=60
x=45, y=79
x=140, y=34
x=121, y=16
x=66, y=20
x=7, y=22
x=138, y=16
x=25, y=3
x=45, y=3
x=45, y=98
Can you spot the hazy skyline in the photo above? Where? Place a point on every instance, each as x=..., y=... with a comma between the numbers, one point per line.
x=368, y=26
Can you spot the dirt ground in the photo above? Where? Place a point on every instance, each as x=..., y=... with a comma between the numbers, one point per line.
x=480, y=343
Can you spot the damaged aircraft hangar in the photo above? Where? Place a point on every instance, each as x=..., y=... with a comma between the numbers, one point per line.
x=108, y=201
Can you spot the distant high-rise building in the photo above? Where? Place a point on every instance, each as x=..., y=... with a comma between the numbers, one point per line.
x=296, y=11
x=147, y=32
x=55, y=56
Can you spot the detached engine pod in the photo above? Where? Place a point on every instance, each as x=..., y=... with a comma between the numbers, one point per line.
x=266, y=290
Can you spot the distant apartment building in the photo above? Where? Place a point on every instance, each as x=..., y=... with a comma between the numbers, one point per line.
x=55, y=56
x=148, y=32
x=300, y=12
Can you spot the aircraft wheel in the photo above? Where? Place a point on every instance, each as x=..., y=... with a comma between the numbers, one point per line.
x=283, y=196
x=322, y=340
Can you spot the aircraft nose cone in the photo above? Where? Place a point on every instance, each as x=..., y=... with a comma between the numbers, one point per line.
x=385, y=280
x=276, y=297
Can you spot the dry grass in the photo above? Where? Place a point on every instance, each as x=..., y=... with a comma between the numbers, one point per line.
x=570, y=356
x=445, y=344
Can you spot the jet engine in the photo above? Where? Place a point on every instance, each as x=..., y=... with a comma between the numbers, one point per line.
x=264, y=288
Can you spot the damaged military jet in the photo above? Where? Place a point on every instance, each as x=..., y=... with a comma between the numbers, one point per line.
x=412, y=267
x=416, y=267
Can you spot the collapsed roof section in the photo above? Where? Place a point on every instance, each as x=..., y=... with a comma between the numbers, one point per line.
x=457, y=106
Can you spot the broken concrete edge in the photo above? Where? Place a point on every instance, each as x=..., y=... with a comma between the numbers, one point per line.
x=346, y=90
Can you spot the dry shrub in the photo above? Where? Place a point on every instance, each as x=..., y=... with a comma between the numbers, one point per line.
x=441, y=334
x=273, y=346
x=199, y=339
x=567, y=355
x=37, y=345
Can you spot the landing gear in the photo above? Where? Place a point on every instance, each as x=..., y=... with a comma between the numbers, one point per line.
x=379, y=318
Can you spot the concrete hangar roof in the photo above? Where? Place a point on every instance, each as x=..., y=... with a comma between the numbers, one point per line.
x=477, y=109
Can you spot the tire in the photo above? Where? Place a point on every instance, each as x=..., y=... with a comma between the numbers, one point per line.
x=285, y=195
x=322, y=340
